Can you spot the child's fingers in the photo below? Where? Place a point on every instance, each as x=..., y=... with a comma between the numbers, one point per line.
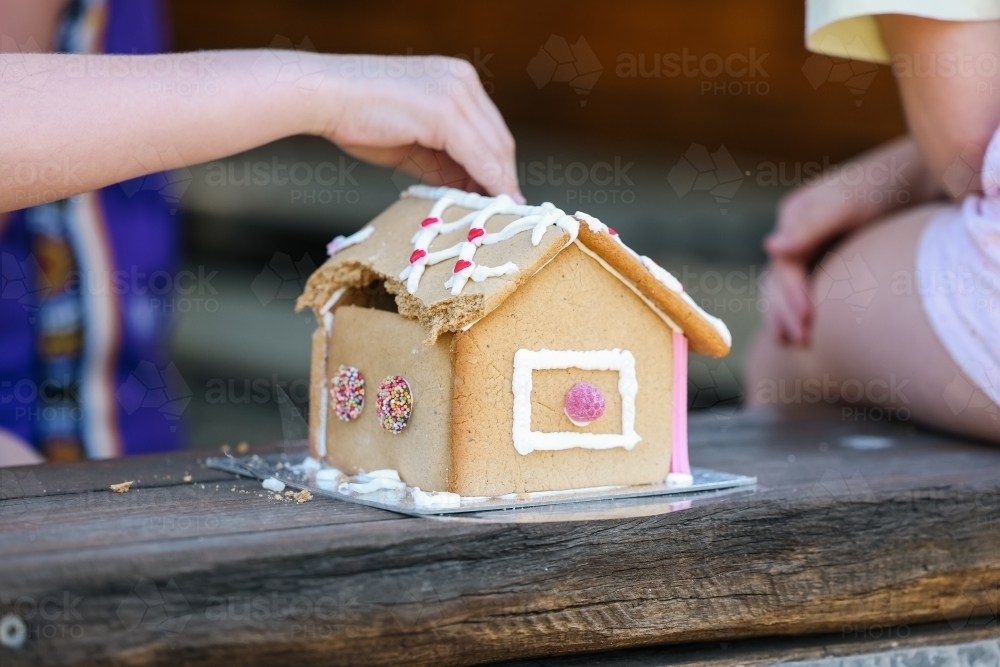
x=16, y=452
x=441, y=106
x=480, y=116
x=807, y=218
x=463, y=142
x=790, y=312
x=504, y=170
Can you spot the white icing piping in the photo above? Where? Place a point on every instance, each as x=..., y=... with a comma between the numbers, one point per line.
x=323, y=408
x=526, y=361
x=341, y=242
x=384, y=480
x=331, y=302
x=535, y=218
x=435, y=498
x=662, y=276
x=375, y=480
x=324, y=400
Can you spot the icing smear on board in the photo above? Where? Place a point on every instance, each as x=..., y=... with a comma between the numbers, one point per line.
x=384, y=480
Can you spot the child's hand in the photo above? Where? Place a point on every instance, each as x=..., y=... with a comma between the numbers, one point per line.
x=16, y=452
x=428, y=115
x=814, y=216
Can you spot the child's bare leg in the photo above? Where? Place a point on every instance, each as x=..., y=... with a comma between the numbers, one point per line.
x=884, y=354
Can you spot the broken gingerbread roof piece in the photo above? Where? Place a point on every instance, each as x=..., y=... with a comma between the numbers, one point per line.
x=451, y=257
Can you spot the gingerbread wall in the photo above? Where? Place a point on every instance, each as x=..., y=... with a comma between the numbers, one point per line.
x=571, y=304
x=380, y=344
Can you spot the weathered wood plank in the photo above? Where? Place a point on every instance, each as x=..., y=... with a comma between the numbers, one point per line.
x=153, y=470
x=64, y=523
x=834, y=537
x=851, y=642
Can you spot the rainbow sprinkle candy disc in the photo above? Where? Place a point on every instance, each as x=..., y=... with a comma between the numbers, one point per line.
x=347, y=388
x=394, y=403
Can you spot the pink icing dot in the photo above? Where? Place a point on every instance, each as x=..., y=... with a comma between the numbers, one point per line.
x=584, y=403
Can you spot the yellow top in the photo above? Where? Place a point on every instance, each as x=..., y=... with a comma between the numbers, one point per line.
x=847, y=28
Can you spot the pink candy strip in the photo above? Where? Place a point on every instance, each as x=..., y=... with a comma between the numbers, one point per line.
x=679, y=459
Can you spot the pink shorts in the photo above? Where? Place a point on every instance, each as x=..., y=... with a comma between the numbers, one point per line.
x=958, y=275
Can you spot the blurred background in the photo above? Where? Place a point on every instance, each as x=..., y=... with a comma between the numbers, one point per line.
x=680, y=124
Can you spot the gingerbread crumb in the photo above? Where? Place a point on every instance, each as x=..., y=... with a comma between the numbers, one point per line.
x=302, y=496
x=243, y=447
x=187, y=479
x=123, y=487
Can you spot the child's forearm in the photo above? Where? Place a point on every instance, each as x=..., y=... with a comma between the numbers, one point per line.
x=888, y=177
x=947, y=77
x=75, y=123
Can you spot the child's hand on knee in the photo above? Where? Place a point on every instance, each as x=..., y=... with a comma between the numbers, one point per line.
x=809, y=217
x=814, y=216
x=16, y=452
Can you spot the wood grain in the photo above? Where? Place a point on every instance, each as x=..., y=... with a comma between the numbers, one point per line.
x=834, y=537
x=850, y=642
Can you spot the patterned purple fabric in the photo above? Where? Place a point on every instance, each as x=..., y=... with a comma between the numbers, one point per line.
x=130, y=396
x=18, y=307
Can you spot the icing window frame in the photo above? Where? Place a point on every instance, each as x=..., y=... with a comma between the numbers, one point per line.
x=528, y=361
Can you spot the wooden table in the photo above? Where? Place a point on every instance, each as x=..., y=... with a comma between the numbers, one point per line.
x=840, y=537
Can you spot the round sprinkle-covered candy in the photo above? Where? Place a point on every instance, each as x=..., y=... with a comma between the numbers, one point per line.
x=347, y=388
x=394, y=403
x=584, y=403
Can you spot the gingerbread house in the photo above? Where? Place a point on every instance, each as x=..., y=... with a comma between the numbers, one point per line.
x=482, y=347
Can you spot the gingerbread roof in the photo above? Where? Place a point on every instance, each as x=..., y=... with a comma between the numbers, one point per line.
x=451, y=257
